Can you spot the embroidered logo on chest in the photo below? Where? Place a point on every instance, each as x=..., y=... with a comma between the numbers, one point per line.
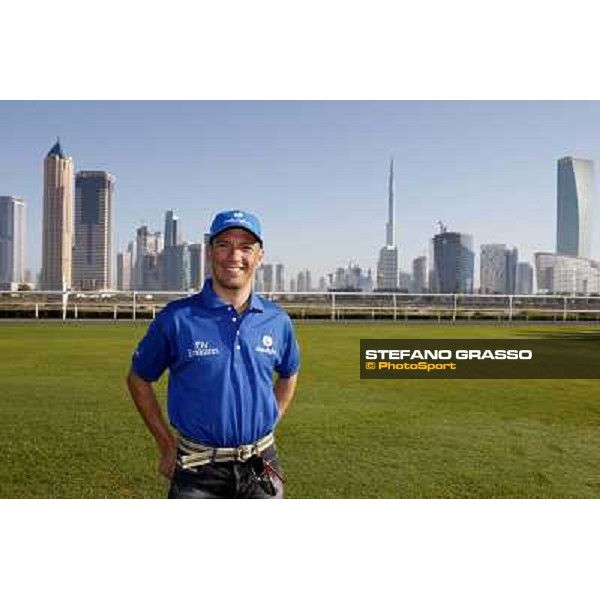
x=267, y=345
x=202, y=348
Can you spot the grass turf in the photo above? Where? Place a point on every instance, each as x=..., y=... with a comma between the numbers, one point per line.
x=69, y=429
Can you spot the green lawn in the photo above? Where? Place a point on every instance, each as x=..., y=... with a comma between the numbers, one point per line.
x=69, y=429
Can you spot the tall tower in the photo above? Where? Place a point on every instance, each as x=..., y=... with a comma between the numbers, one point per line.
x=512, y=259
x=175, y=268
x=124, y=271
x=57, y=228
x=453, y=262
x=390, y=227
x=419, y=274
x=524, y=283
x=268, y=281
x=279, y=285
x=197, y=265
x=574, y=206
x=172, y=229
x=387, y=265
x=92, y=252
x=149, y=247
x=12, y=242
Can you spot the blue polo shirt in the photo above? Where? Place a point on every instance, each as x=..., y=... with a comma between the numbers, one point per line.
x=221, y=365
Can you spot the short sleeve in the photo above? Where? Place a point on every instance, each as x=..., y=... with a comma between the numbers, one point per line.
x=154, y=353
x=290, y=356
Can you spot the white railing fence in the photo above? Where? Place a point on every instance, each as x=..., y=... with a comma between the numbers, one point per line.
x=134, y=305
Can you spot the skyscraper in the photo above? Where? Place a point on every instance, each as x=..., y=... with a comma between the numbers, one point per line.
x=574, y=206
x=173, y=235
x=405, y=282
x=304, y=281
x=149, y=246
x=207, y=268
x=197, y=263
x=12, y=242
x=307, y=281
x=268, y=282
x=57, y=228
x=453, y=263
x=349, y=279
x=498, y=269
x=175, y=267
x=512, y=259
x=279, y=285
x=524, y=283
x=124, y=271
x=419, y=274
x=387, y=265
x=93, y=252
x=131, y=254
x=259, y=279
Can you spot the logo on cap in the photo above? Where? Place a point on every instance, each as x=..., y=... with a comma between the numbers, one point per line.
x=235, y=218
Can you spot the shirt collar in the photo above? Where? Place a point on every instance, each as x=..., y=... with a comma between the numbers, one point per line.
x=212, y=301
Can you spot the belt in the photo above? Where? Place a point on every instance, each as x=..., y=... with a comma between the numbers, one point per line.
x=192, y=454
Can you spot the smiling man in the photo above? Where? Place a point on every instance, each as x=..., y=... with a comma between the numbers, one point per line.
x=222, y=347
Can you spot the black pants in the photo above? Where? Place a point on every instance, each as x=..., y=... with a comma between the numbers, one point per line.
x=227, y=480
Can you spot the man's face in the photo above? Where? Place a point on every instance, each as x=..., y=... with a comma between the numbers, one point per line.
x=234, y=256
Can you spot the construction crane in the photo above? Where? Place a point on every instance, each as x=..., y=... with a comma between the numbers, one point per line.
x=442, y=227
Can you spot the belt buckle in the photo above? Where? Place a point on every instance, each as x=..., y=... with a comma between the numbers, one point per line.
x=243, y=453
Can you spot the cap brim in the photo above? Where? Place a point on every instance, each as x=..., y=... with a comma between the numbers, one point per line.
x=214, y=235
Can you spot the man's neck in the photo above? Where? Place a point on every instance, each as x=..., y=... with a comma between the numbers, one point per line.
x=239, y=299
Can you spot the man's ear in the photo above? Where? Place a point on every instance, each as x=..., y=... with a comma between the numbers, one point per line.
x=261, y=255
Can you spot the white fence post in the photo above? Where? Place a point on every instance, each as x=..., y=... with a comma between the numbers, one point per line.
x=65, y=300
x=333, y=306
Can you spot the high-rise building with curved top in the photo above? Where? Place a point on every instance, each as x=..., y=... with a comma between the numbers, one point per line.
x=574, y=206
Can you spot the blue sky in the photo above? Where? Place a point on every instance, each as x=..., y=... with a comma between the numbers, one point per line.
x=315, y=172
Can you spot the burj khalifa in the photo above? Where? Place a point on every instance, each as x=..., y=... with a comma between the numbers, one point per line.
x=387, y=265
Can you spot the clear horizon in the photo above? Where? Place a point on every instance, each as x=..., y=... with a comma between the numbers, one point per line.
x=315, y=172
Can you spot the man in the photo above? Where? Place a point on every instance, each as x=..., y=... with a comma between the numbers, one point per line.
x=221, y=347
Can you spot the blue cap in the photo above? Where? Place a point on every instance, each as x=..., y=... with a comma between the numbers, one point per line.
x=230, y=219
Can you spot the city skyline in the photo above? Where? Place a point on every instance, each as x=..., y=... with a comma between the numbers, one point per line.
x=318, y=170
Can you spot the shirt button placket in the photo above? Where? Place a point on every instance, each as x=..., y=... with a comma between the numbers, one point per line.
x=237, y=334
